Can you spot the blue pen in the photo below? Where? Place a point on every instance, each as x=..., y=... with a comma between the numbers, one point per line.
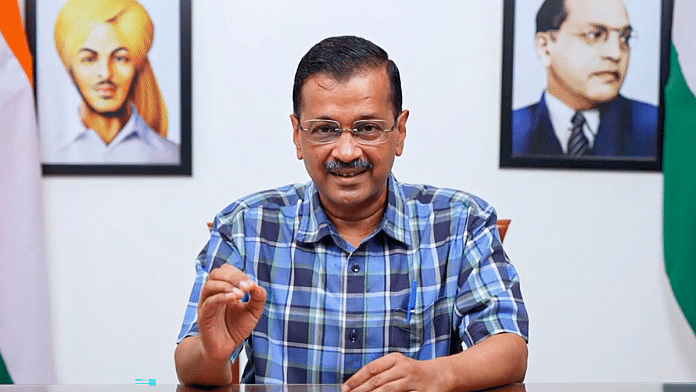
x=411, y=300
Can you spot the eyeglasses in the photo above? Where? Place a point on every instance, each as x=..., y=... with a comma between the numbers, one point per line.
x=366, y=132
x=598, y=35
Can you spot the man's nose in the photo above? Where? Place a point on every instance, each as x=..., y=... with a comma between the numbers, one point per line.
x=613, y=48
x=346, y=148
x=105, y=69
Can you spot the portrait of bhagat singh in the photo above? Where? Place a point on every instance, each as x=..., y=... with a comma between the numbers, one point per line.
x=584, y=47
x=104, y=45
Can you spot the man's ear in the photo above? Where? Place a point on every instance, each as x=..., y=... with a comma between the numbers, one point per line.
x=543, y=44
x=296, y=135
x=401, y=131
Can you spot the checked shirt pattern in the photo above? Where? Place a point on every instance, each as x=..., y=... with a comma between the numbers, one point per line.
x=332, y=308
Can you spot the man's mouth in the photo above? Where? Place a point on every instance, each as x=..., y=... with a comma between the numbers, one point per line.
x=347, y=173
x=611, y=75
x=352, y=169
x=105, y=90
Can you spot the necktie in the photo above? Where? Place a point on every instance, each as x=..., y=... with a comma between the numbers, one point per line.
x=577, y=144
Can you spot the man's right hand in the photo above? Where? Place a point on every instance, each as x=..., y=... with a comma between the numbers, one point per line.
x=224, y=321
x=223, y=324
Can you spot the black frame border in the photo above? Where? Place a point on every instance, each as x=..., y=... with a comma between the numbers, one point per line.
x=633, y=164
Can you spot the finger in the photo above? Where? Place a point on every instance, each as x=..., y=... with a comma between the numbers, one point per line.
x=372, y=369
x=210, y=305
x=212, y=287
x=396, y=385
x=385, y=381
x=228, y=273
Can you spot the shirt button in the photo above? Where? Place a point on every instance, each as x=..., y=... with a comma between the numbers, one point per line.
x=356, y=267
x=353, y=335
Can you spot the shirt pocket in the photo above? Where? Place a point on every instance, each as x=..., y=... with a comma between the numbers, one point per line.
x=427, y=325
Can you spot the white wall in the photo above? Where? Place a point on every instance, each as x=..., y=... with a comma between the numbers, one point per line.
x=588, y=245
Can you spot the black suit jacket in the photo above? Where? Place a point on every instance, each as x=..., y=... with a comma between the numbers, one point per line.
x=627, y=128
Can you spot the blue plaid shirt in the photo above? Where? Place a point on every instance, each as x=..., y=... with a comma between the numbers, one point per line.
x=432, y=275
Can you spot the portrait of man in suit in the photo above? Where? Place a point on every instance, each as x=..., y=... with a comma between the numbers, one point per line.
x=584, y=47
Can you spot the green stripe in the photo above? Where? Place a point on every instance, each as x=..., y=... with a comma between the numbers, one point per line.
x=679, y=165
x=4, y=374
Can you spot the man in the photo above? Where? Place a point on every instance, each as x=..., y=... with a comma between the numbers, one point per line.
x=584, y=46
x=103, y=46
x=354, y=278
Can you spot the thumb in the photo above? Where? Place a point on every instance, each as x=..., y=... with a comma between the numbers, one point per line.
x=257, y=300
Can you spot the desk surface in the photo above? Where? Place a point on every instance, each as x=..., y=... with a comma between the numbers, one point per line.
x=551, y=387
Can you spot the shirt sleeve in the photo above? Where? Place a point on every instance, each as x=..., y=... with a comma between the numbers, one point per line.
x=489, y=301
x=216, y=252
x=189, y=326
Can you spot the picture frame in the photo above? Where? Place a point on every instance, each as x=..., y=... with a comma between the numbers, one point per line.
x=155, y=142
x=626, y=137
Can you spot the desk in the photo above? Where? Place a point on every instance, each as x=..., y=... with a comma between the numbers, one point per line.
x=551, y=387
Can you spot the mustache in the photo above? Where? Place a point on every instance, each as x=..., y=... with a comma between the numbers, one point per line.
x=105, y=83
x=360, y=163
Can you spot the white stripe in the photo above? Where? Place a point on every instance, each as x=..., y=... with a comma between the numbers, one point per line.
x=683, y=33
x=25, y=327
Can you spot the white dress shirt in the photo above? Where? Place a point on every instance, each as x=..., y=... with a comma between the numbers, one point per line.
x=135, y=143
x=561, y=116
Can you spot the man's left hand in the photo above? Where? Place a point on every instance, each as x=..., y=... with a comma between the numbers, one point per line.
x=395, y=372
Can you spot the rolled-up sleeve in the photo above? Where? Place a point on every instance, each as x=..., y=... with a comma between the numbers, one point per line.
x=489, y=301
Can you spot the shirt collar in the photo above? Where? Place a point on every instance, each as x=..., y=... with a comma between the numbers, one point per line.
x=561, y=115
x=395, y=221
x=315, y=225
x=131, y=128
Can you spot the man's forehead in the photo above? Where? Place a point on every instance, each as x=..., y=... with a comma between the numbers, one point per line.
x=364, y=78
x=102, y=36
x=609, y=13
x=325, y=81
x=329, y=79
x=361, y=90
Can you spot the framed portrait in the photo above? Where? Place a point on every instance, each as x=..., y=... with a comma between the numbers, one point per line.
x=112, y=85
x=582, y=83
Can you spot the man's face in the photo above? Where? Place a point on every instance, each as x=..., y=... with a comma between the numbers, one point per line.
x=586, y=59
x=103, y=70
x=364, y=96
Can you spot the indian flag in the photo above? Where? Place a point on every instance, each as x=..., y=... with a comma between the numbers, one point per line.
x=679, y=161
x=26, y=355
